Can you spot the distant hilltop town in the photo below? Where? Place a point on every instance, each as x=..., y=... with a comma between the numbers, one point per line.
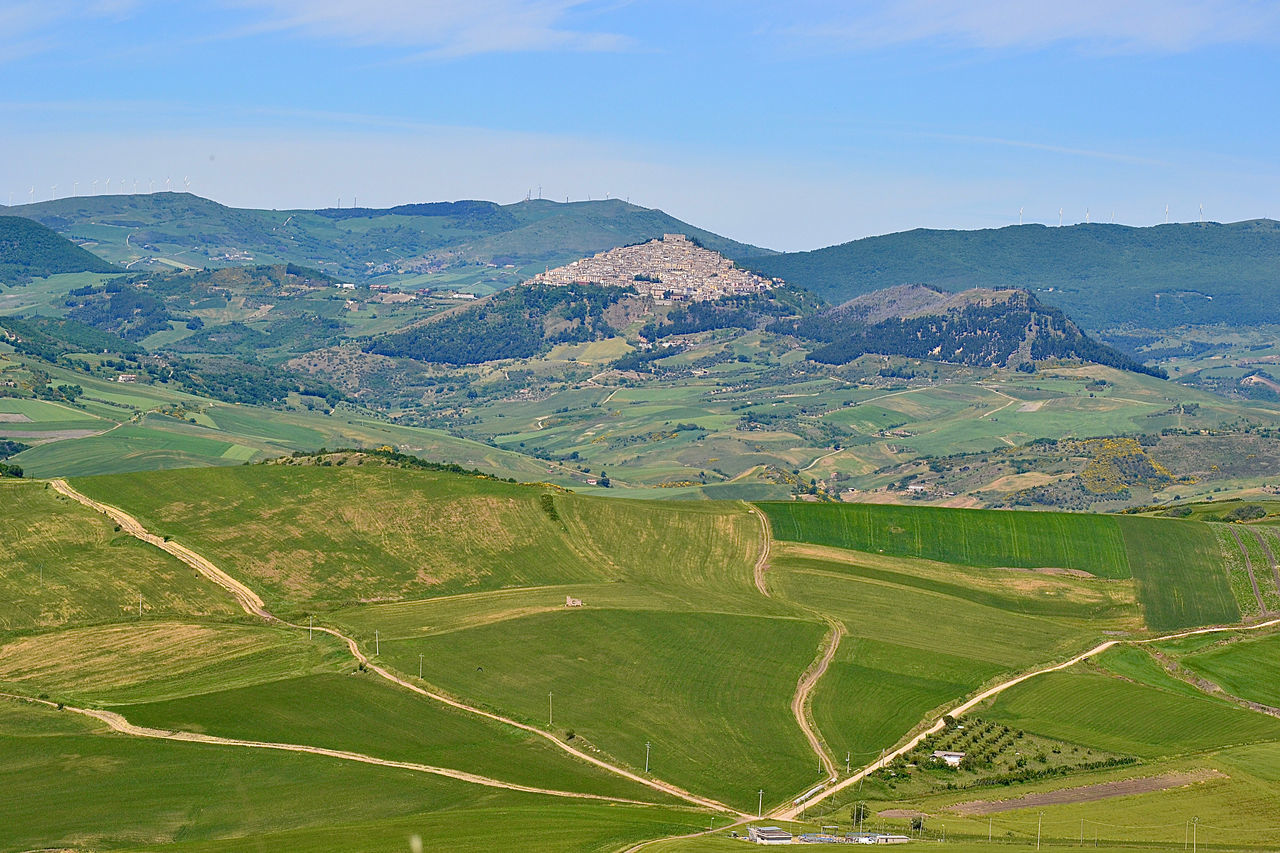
x=674, y=267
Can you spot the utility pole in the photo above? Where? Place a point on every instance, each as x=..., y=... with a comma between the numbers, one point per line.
x=760, y=805
x=1195, y=824
x=550, y=712
x=419, y=664
x=139, y=605
x=988, y=829
x=1039, y=821
x=646, y=756
x=1081, y=832
x=377, y=644
x=311, y=621
x=847, y=756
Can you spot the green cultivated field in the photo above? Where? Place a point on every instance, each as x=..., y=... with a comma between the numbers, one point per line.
x=1249, y=668
x=1180, y=570
x=702, y=687
x=362, y=713
x=1089, y=543
x=1097, y=709
x=674, y=647
x=73, y=781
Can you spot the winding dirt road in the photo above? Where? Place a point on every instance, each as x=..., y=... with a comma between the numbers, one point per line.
x=118, y=723
x=252, y=604
x=801, y=706
x=766, y=540
x=790, y=813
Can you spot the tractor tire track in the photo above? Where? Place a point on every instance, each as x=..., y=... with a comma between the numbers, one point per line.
x=1248, y=565
x=1271, y=557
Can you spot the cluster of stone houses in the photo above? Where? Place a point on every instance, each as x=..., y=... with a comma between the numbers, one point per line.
x=671, y=268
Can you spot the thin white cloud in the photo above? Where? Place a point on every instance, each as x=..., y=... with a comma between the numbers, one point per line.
x=435, y=28
x=30, y=27
x=1053, y=149
x=1130, y=26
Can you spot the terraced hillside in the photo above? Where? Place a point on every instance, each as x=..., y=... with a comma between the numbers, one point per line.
x=404, y=633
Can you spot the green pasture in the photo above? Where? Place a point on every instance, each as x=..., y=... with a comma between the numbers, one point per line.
x=362, y=713
x=710, y=691
x=71, y=786
x=62, y=564
x=1248, y=668
x=1097, y=709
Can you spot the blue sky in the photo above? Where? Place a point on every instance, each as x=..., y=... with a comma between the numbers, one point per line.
x=792, y=125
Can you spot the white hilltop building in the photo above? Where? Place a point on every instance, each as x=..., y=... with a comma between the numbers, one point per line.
x=671, y=268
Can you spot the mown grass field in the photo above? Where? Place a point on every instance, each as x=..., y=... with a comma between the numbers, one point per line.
x=155, y=660
x=62, y=564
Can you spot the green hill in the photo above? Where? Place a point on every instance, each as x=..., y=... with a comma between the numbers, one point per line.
x=473, y=244
x=31, y=250
x=1103, y=276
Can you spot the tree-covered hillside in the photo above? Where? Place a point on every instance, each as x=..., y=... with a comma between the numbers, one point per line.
x=988, y=328
x=31, y=250
x=472, y=244
x=1104, y=276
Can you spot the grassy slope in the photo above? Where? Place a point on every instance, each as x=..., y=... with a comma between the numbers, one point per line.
x=90, y=572
x=361, y=713
x=1180, y=571
x=1179, y=568
x=1088, y=543
x=1097, y=709
x=151, y=661
x=922, y=635
x=489, y=563
x=710, y=691
x=1246, y=668
x=73, y=782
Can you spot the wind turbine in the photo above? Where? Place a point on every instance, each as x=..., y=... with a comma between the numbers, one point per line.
x=33, y=195
x=151, y=185
x=1202, y=214
x=168, y=182
x=1166, y=214
x=186, y=184
x=95, y=186
x=135, y=186
x=75, y=188
x=1020, y=216
x=53, y=190
x=1059, y=217
x=1086, y=216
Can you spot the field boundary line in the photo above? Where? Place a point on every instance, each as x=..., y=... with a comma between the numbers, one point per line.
x=253, y=605
x=118, y=723
x=970, y=704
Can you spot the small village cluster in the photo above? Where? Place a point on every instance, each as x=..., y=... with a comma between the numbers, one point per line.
x=674, y=267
